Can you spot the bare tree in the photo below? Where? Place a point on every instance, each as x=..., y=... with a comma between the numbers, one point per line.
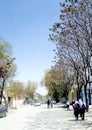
x=73, y=38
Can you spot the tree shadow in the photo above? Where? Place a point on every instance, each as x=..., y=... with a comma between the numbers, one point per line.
x=84, y=123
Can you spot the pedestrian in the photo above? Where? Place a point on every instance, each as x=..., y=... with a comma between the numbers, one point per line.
x=51, y=103
x=68, y=105
x=48, y=103
x=79, y=109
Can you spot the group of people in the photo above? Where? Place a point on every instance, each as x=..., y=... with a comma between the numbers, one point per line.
x=49, y=103
x=79, y=109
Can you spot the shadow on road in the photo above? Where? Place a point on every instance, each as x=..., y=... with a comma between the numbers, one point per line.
x=84, y=123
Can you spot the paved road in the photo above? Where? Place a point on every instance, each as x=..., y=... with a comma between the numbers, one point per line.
x=42, y=118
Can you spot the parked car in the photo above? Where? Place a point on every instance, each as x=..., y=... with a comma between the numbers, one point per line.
x=37, y=103
x=54, y=102
x=3, y=110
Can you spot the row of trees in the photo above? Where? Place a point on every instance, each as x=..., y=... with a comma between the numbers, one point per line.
x=58, y=82
x=8, y=71
x=72, y=36
x=20, y=90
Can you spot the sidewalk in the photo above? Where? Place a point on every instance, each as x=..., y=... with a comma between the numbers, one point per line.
x=89, y=114
x=12, y=110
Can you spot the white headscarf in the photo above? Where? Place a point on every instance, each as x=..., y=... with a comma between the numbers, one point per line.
x=80, y=103
x=76, y=102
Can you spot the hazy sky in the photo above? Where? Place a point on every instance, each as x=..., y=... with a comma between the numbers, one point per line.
x=25, y=24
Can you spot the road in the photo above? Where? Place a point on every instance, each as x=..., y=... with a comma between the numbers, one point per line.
x=43, y=118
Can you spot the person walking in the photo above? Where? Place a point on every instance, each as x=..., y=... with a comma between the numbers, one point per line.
x=51, y=103
x=48, y=103
x=68, y=105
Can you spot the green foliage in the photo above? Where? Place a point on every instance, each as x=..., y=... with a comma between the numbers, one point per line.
x=31, y=89
x=5, y=49
x=16, y=89
x=58, y=83
x=7, y=67
x=6, y=60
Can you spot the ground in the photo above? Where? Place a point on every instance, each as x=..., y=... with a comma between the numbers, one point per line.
x=42, y=118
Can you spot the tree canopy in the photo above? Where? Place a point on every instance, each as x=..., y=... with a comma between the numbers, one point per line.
x=7, y=67
x=73, y=38
x=58, y=82
x=31, y=89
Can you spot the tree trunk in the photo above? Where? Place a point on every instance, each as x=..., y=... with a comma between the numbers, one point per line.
x=1, y=94
x=86, y=98
x=6, y=103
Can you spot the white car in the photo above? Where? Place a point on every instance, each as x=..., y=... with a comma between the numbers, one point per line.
x=37, y=103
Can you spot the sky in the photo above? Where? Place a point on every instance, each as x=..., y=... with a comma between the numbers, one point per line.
x=25, y=25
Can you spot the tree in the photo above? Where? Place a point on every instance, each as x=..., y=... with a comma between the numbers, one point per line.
x=31, y=89
x=73, y=39
x=58, y=82
x=7, y=67
x=16, y=89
